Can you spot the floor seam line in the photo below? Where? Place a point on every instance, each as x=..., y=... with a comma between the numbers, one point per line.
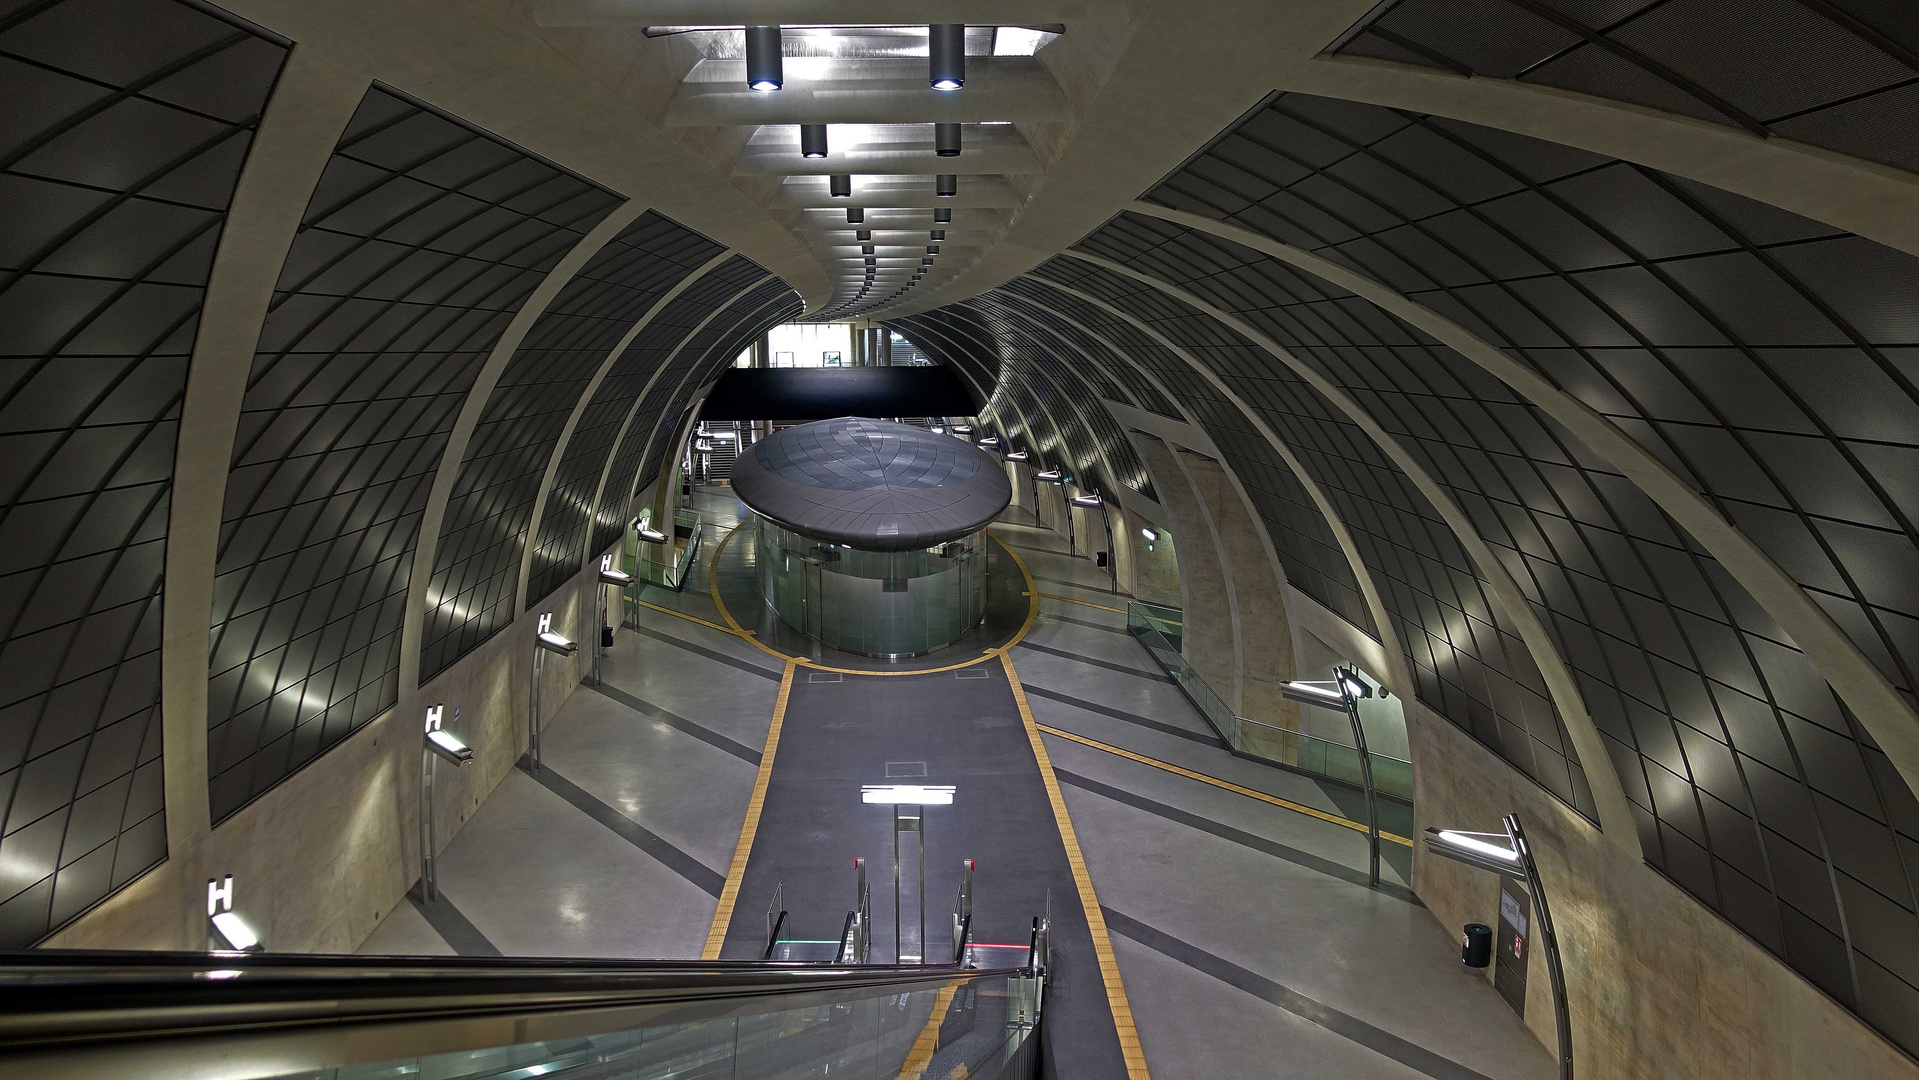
x=1344, y=1024
x=1227, y=785
x=452, y=925
x=1109, y=665
x=677, y=722
x=710, y=654
x=660, y=849
x=1265, y=845
x=1204, y=738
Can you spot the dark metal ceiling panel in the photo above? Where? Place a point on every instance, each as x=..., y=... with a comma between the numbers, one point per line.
x=124, y=132
x=421, y=241
x=1839, y=74
x=659, y=254
x=1766, y=359
x=652, y=347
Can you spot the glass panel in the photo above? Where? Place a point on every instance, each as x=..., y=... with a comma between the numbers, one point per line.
x=983, y=1027
x=877, y=603
x=1151, y=623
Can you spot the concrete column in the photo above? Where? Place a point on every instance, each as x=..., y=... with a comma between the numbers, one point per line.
x=1204, y=593
x=886, y=346
x=1154, y=571
x=1262, y=637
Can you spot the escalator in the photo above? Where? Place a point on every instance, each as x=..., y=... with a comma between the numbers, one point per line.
x=254, y=1016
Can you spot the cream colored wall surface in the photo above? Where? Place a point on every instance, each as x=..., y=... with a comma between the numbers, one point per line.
x=321, y=858
x=1660, y=987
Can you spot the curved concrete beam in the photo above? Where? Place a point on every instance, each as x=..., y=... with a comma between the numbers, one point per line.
x=619, y=437
x=1876, y=201
x=666, y=363
x=1397, y=673
x=1091, y=397
x=311, y=105
x=1887, y=715
x=579, y=406
x=1615, y=814
x=413, y=628
x=948, y=338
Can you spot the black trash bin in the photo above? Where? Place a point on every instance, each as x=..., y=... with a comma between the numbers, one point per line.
x=1476, y=945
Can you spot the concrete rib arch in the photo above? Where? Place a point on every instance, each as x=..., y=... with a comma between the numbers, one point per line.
x=1609, y=796
x=1887, y=715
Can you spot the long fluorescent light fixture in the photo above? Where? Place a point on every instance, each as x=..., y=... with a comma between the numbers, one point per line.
x=990, y=440
x=610, y=576
x=962, y=429
x=1487, y=851
x=235, y=934
x=1018, y=455
x=553, y=642
x=1051, y=476
x=912, y=794
x=1151, y=535
x=1088, y=501
x=650, y=534
x=448, y=745
x=1314, y=694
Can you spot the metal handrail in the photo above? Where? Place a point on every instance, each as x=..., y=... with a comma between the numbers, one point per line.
x=72, y=1013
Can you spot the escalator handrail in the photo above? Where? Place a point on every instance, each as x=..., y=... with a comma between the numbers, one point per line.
x=50, y=998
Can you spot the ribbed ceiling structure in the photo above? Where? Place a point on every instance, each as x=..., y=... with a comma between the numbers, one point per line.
x=1568, y=350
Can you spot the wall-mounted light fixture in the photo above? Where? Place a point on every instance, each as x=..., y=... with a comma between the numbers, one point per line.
x=1051, y=476
x=1088, y=502
x=1344, y=693
x=1151, y=535
x=226, y=930
x=1510, y=855
x=962, y=429
x=990, y=441
x=764, y=72
x=1018, y=455
x=545, y=640
x=946, y=56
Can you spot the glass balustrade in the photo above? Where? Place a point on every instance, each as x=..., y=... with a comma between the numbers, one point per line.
x=1297, y=750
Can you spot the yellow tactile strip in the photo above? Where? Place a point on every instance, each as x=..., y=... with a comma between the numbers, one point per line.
x=1227, y=785
x=1083, y=882
x=730, y=894
x=928, y=1042
x=1081, y=603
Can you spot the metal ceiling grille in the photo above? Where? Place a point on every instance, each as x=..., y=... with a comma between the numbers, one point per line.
x=422, y=238
x=1767, y=359
x=642, y=264
x=1838, y=74
x=122, y=139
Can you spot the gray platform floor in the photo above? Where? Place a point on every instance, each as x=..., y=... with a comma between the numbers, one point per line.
x=1247, y=940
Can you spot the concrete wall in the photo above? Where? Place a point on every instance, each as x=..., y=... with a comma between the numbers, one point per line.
x=1659, y=986
x=1262, y=637
x=1204, y=592
x=1155, y=574
x=321, y=858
